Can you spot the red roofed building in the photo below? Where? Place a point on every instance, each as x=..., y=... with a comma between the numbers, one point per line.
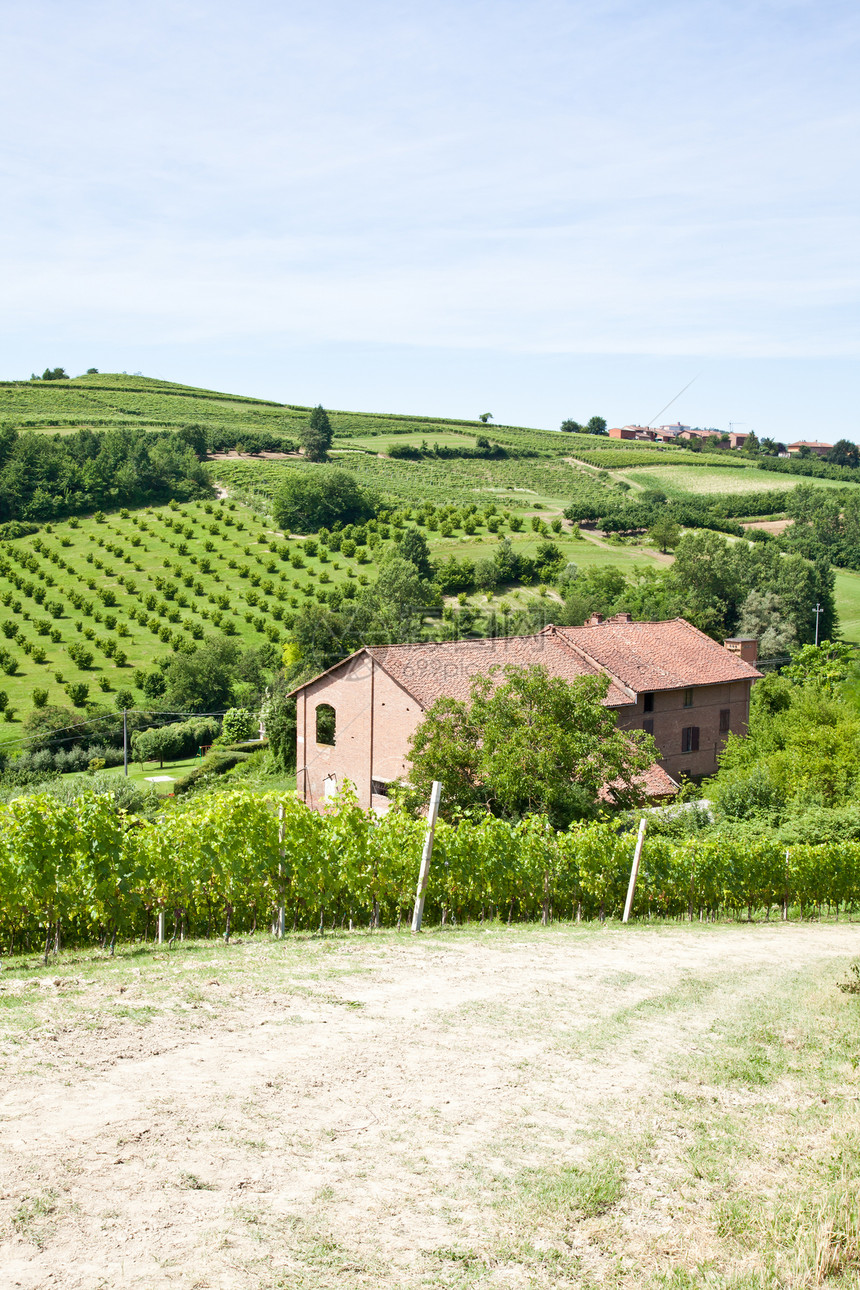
x=355, y=720
x=817, y=448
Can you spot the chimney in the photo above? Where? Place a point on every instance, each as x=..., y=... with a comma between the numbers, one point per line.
x=623, y=618
x=746, y=647
x=595, y=620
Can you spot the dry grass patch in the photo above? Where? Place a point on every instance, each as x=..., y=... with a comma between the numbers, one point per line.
x=499, y=1107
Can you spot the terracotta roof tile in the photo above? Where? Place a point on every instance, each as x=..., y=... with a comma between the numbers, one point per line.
x=657, y=656
x=429, y=670
x=655, y=782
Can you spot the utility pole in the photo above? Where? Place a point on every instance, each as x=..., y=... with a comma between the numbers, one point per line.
x=818, y=612
x=125, y=741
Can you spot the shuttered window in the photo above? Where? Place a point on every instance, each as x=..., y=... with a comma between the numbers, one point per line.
x=690, y=739
x=725, y=719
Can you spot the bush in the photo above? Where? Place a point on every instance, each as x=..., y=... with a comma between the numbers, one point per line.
x=40, y=698
x=78, y=692
x=239, y=724
x=173, y=742
x=308, y=499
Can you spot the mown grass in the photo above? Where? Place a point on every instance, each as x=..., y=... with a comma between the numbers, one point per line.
x=701, y=479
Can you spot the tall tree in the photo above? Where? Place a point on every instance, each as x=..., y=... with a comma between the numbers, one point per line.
x=317, y=435
x=844, y=453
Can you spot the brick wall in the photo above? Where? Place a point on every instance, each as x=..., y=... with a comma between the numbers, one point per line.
x=671, y=718
x=374, y=719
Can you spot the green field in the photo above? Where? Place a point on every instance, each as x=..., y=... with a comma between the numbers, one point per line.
x=148, y=580
x=112, y=399
x=848, y=604
x=134, y=585
x=698, y=479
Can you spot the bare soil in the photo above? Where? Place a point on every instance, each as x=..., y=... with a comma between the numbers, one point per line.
x=768, y=526
x=369, y=1110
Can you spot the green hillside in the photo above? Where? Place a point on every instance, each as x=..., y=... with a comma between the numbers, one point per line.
x=90, y=601
x=95, y=599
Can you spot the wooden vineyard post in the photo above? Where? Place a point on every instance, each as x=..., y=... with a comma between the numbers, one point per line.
x=282, y=910
x=634, y=871
x=161, y=926
x=426, y=856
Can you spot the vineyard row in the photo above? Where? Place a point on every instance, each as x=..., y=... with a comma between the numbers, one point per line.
x=83, y=872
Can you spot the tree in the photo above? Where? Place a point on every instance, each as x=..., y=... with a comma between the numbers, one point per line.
x=844, y=453
x=485, y=417
x=802, y=749
x=92, y=371
x=665, y=533
x=571, y=427
x=763, y=616
x=397, y=602
x=596, y=425
x=279, y=722
x=826, y=665
x=413, y=546
x=196, y=438
x=527, y=742
x=203, y=680
x=307, y=500
x=317, y=435
x=55, y=374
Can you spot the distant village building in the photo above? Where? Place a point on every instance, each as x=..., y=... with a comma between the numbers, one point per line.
x=819, y=449
x=354, y=721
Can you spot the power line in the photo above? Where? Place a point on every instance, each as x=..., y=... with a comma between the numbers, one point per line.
x=674, y=400
x=52, y=735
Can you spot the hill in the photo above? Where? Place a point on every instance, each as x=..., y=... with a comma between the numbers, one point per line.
x=108, y=582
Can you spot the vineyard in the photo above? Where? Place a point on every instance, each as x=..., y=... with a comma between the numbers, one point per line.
x=83, y=872
x=111, y=400
x=512, y=483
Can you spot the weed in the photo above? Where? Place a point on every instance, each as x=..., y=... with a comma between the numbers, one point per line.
x=29, y=1218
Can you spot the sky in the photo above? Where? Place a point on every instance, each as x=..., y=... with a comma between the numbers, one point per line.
x=540, y=210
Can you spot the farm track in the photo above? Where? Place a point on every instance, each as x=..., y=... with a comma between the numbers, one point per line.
x=357, y=1111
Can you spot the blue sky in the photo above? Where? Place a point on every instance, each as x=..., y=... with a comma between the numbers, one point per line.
x=541, y=210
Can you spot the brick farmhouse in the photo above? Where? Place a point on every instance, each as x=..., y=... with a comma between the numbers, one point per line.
x=355, y=720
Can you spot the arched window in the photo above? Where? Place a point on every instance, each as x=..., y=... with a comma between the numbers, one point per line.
x=326, y=724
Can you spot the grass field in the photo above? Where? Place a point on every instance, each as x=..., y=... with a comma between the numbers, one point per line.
x=848, y=604
x=149, y=578
x=699, y=479
x=647, y=1108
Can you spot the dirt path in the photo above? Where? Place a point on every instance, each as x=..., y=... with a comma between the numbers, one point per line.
x=344, y=1113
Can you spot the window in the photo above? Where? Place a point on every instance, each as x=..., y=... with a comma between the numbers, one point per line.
x=648, y=727
x=688, y=698
x=690, y=739
x=725, y=719
x=326, y=724
x=647, y=702
x=379, y=787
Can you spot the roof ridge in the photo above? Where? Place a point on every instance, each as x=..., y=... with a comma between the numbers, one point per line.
x=600, y=667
